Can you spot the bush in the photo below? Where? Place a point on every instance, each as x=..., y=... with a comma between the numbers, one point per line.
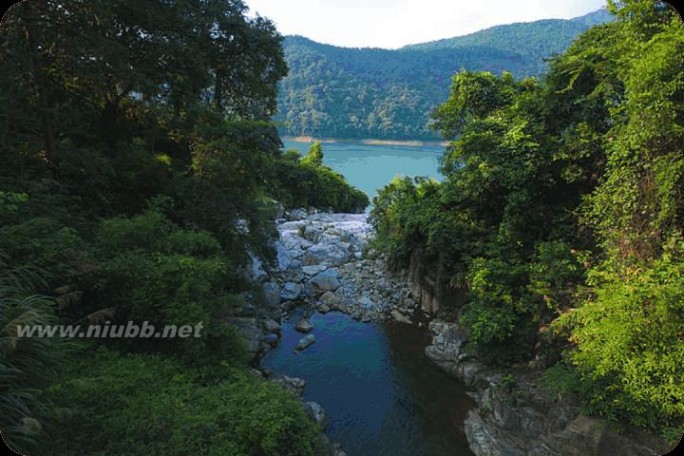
x=307, y=182
x=111, y=404
x=153, y=271
x=629, y=347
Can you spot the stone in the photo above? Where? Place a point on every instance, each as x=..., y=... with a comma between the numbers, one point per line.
x=297, y=214
x=398, y=316
x=318, y=414
x=271, y=326
x=484, y=440
x=313, y=269
x=256, y=271
x=293, y=274
x=327, y=280
x=271, y=339
x=304, y=326
x=271, y=292
x=332, y=254
x=329, y=299
x=290, y=292
x=305, y=342
x=294, y=384
x=324, y=308
x=366, y=303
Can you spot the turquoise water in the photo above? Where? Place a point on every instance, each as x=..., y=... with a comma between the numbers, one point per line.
x=381, y=395
x=370, y=167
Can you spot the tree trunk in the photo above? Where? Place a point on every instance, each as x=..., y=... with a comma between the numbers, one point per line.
x=43, y=105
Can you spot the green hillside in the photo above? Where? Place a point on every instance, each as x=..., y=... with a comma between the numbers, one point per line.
x=389, y=94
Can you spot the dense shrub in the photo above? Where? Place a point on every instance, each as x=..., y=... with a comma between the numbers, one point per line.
x=147, y=404
x=307, y=182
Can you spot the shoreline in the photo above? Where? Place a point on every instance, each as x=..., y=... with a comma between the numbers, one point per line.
x=368, y=142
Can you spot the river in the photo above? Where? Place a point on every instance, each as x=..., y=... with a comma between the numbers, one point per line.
x=381, y=394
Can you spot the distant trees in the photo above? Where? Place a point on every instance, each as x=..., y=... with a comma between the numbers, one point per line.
x=307, y=182
x=376, y=93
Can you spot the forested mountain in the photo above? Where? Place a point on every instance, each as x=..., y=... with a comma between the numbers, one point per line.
x=378, y=93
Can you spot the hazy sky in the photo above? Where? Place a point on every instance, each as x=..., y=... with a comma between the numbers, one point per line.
x=394, y=23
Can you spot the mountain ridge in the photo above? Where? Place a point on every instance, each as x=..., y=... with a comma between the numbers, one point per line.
x=361, y=93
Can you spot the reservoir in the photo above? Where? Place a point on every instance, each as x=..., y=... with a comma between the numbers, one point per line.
x=369, y=167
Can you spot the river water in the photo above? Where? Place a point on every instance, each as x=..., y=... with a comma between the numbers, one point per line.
x=381, y=394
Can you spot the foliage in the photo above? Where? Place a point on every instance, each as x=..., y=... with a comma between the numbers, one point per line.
x=307, y=182
x=629, y=342
x=137, y=157
x=24, y=362
x=132, y=404
x=562, y=206
x=152, y=271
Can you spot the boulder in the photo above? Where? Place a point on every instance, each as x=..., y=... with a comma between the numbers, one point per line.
x=313, y=269
x=327, y=280
x=294, y=384
x=329, y=299
x=250, y=332
x=400, y=317
x=256, y=271
x=297, y=214
x=290, y=292
x=271, y=339
x=293, y=274
x=271, y=292
x=318, y=414
x=304, y=326
x=271, y=326
x=305, y=342
x=333, y=254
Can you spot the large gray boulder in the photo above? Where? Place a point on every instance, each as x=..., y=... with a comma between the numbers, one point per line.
x=333, y=254
x=314, y=269
x=271, y=292
x=271, y=326
x=317, y=413
x=328, y=280
x=297, y=214
x=290, y=292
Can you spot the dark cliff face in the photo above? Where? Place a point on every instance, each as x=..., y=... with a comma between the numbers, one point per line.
x=431, y=286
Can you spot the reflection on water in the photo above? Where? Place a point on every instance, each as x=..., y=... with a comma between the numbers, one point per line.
x=380, y=393
x=370, y=167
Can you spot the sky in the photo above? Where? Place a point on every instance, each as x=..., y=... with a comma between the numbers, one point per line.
x=395, y=23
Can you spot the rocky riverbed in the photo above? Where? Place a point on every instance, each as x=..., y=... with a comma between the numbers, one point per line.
x=516, y=415
x=322, y=266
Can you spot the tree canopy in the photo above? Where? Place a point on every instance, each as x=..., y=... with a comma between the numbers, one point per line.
x=138, y=174
x=562, y=215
